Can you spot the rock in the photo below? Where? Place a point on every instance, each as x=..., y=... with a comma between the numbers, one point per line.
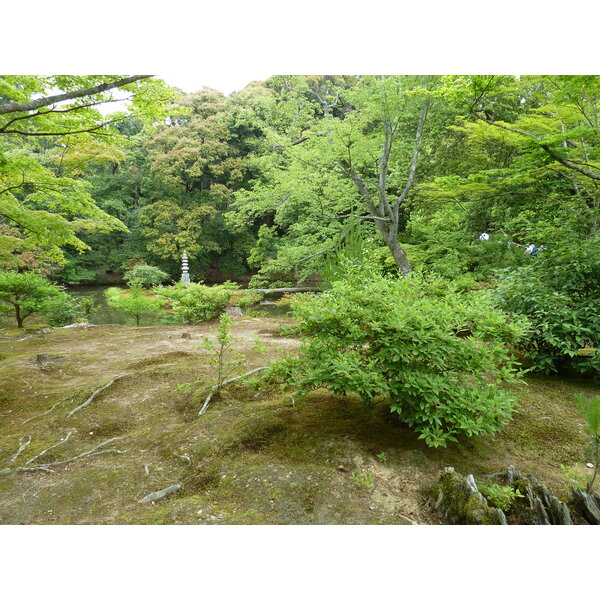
x=559, y=512
x=161, y=494
x=186, y=335
x=512, y=474
x=588, y=505
x=460, y=502
x=547, y=508
x=234, y=311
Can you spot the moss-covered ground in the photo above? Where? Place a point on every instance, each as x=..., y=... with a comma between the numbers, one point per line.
x=253, y=458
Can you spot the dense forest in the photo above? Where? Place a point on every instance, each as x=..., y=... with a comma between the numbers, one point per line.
x=484, y=181
x=451, y=222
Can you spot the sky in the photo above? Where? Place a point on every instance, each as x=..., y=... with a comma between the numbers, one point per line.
x=226, y=82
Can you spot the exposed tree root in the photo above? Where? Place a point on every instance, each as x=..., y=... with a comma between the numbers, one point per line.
x=45, y=413
x=183, y=457
x=104, y=387
x=97, y=392
x=23, y=443
x=95, y=451
x=160, y=494
x=62, y=441
x=216, y=388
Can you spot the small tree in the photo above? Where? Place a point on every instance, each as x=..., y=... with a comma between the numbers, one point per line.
x=134, y=302
x=25, y=294
x=195, y=302
x=145, y=276
x=590, y=410
x=224, y=359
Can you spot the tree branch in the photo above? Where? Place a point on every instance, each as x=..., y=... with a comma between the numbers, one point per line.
x=569, y=164
x=12, y=107
x=557, y=157
x=415, y=159
x=59, y=133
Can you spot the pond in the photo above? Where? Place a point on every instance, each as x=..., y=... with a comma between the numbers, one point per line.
x=103, y=314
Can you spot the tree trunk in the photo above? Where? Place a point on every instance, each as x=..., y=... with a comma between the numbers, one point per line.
x=18, y=316
x=399, y=256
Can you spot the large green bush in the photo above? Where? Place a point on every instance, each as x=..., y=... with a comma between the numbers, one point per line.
x=559, y=292
x=195, y=302
x=436, y=356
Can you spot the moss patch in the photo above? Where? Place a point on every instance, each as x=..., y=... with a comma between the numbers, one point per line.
x=252, y=458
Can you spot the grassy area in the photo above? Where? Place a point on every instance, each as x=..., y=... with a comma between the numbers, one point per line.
x=252, y=458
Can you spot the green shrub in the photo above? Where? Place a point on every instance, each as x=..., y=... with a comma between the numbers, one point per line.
x=134, y=302
x=437, y=357
x=559, y=293
x=364, y=480
x=195, y=302
x=249, y=298
x=145, y=276
x=501, y=496
x=65, y=310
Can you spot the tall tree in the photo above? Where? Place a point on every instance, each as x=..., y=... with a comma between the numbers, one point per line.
x=44, y=208
x=364, y=132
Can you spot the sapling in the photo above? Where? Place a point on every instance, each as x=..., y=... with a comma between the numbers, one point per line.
x=134, y=302
x=590, y=411
x=224, y=358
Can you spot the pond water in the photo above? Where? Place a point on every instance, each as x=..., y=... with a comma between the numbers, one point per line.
x=103, y=314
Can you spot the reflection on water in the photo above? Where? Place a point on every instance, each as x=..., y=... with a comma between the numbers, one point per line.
x=103, y=314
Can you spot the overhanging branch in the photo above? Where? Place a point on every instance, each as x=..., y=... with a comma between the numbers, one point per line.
x=11, y=107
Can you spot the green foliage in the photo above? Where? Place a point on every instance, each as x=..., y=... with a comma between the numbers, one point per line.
x=382, y=458
x=65, y=310
x=25, y=294
x=134, y=302
x=559, y=293
x=363, y=480
x=195, y=302
x=248, y=298
x=44, y=199
x=573, y=477
x=501, y=496
x=145, y=276
x=350, y=253
x=224, y=358
x=590, y=411
x=438, y=358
